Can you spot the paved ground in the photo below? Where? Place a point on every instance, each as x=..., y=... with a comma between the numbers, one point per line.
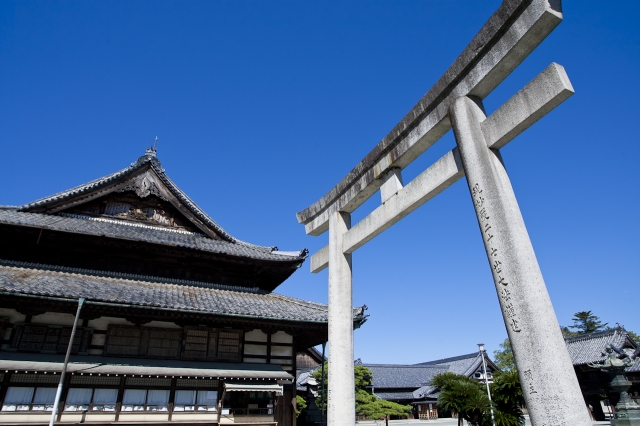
x=438, y=422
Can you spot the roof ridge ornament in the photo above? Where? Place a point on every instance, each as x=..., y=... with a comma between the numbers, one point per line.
x=152, y=150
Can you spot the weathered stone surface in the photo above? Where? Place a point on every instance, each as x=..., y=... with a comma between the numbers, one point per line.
x=442, y=174
x=508, y=37
x=391, y=184
x=341, y=402
x=545, y=92
x=319, y=260
x=549, y=383
x=548, y=90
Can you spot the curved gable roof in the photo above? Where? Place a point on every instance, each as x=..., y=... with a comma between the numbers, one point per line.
x=146, y=176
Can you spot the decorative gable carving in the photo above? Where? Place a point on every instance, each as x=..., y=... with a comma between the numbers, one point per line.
x=144, y=185
x=128, y=205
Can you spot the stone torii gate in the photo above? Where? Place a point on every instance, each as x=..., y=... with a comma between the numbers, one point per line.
x=549, y=383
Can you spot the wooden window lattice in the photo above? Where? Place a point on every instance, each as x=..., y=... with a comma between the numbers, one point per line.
x=148, y=381
x=50, y=339
x=229, y=345
x=123, y=341
x=200, y=343
x=143, y=341
x=95, y=380
x=35, y=378
x=193, y=383
x=164, y=343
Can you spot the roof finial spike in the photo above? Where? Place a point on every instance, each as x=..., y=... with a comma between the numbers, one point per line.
x=151, y=151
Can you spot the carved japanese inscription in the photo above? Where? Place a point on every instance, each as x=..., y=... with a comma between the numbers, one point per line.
x=496, y=258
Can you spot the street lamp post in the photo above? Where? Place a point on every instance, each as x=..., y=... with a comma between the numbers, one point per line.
x=486, y=381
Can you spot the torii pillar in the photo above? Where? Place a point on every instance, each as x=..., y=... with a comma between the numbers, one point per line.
x=546, y=373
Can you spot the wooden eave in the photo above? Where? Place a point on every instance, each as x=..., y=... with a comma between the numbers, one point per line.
x=306, y=333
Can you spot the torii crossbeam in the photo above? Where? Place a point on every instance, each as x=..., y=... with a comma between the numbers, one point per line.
x=549, y=383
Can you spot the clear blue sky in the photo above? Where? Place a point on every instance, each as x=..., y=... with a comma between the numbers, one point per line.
x=262, y=106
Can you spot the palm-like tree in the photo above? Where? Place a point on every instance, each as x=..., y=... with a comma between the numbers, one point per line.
x=467, y=398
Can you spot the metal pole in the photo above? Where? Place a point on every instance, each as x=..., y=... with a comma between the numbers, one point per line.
x=66, y=361
x=322, y=384
x=486, y=381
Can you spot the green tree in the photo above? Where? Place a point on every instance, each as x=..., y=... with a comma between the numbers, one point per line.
x=504, y=357
x=367, y=404
x=468, y=398
x=585, y=322
x=301, y=404
x=566, y=333
x=461, y=395
x=508, y=398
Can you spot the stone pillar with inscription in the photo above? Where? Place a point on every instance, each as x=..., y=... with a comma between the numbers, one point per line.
x=548, y=380
x=341, y=400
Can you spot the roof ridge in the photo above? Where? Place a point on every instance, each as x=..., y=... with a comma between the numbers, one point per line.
x=600, y=333
x=403, y=365
x=308, y=303
x=128, y=277
x=83, y=187
x=450, y=359
x=157, y=167
x=148, y=159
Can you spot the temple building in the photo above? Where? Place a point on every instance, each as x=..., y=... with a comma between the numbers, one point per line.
x=179, y=323
x=407, y=384
x=595, y=384
x=411, y=384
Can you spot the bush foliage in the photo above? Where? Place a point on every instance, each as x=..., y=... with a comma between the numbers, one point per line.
x=468, y=398
x=367, y=404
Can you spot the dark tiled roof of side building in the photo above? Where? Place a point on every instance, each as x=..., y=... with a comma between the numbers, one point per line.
x=394, y=396
x=462, y=364
x=302, y=377
x=386, y=376
x=590, y=348
x=58, y=282
x=145, y=233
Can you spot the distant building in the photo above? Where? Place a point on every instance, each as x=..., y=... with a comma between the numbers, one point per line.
x=594, y=383
x=308, y=358
x=410, y=384
x=180, y=323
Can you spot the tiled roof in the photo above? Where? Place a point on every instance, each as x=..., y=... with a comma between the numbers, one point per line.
x=418, y=376
x=590, y=348
x=426, y=392
x=386, y=376
x=165, y=295
x=145, y=233
x=394, y=396
x=147, y=160
x=465, y=365
x=302, y=377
